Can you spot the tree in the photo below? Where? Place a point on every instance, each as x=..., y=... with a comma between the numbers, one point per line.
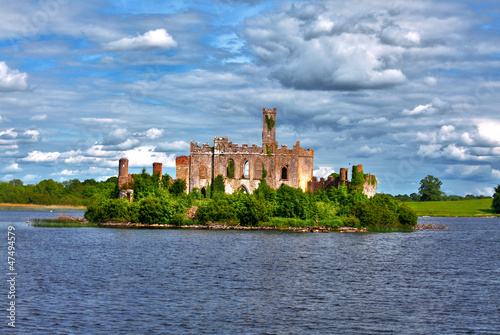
x=178, y=187
x=218, y=184
x=430, y=189
x=496, y=200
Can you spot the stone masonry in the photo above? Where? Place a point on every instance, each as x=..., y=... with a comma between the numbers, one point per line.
x=243, y=167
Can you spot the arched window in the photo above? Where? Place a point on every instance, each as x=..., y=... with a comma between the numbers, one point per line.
x=246, y=170
x=258, y=168
x=230, y=168
x=284, y=172
x=203, y=192
x=243, y=189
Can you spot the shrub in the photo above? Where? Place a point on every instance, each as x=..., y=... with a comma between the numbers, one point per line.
x=407, y=216
x=151, y=211
x=351, y=221
x=217, y=210
x=253, y=211
x=326, y=211
x=107, y=209
x=372, y=213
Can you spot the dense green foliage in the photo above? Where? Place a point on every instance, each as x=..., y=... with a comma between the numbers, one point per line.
x=430, y=189
x=496, y=200
x=49, y=192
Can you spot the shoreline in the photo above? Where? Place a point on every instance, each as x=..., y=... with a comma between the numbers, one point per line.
x=226, y=227
x=30, y=206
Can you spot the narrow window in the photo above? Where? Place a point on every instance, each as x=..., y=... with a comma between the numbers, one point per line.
x=284, y=173
x=246, y=169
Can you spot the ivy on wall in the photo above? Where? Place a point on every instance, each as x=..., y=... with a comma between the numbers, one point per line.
x=270, y=123
x=358, y=179
x=230, y=169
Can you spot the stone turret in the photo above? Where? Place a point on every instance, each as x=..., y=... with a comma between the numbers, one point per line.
x=269, y=127
x=157, y=169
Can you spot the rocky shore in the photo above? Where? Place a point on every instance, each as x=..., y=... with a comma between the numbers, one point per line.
x=216, y=226
x=429, y=226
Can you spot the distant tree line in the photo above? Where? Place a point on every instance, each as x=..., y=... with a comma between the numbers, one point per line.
x=49, y=192
x=430, y=190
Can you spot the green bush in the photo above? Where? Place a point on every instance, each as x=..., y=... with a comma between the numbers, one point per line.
x=351, y=221
x=151, y=211
x=326, y=211
x=372, y=213
x=217, y=210
x=293, y=203
x=253, y=211
x=105, y=210
x=407, y=216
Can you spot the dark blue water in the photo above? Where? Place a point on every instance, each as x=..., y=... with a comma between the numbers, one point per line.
x=123, y=281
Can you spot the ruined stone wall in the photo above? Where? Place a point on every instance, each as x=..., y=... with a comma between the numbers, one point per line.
x=157, y=169
x=370, y=186
x=298, y=169
x=182, y=167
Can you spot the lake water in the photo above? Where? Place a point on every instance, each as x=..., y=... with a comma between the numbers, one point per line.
x=145, y=281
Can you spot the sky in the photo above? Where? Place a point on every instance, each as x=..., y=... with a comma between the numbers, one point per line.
x=406, y=88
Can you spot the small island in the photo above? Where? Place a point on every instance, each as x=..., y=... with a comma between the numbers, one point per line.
x=250, y=187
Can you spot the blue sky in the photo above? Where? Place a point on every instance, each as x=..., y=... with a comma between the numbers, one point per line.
x=405, y=88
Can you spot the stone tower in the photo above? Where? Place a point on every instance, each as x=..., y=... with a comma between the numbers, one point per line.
x=123, y=177
x=269, y=128
x=157, y=169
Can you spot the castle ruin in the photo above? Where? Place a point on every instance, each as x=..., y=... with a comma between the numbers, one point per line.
x=243, y=167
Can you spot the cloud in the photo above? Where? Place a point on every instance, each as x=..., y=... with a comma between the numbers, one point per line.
x=13, y=136
x=12, y=168
x=323, y=52
x=152, y=39
x=366, y=151
x=173, y=146
x=469, y=171
x=92, y=170
x=40, y=117
x=116, y=136
x=41, y=157
x=30, y=177
x=154, y=133
x=12, y=80
x=323, y=171
x=147, y=155
x=420, y=109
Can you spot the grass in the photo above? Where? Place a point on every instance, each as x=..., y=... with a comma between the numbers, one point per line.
x=463, y=208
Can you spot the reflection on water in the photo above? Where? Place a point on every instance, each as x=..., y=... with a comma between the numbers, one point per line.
x=120, y=281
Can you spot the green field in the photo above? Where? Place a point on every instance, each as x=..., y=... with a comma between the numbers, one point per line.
x=469, y=208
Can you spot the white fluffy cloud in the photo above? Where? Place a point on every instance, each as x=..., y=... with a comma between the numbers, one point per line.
x=12, y=80
x=41, y=157
x=12, y=168
x=158, y=38
x=420, y=109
